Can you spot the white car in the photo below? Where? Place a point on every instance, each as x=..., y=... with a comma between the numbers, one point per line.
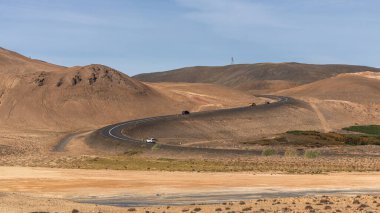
x=150, y=140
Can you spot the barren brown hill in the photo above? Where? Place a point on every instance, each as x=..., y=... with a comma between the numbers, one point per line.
x=234, y=129
x=343, y=100
x=329, y=105
x=256, y=78
x=363, y=87
x=38, y=95
x=201, y=96
x=228, y=129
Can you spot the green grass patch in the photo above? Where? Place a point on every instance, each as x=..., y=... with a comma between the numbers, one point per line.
x=370, y=129
x=314, y=139
x=312, y=153
x=269, y=152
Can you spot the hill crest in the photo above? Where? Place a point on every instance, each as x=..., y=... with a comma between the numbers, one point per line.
x=257, y=78
x=361, y=87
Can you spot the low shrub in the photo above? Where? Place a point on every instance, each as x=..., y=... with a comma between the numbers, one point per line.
x=291, y=153
x=197, y=209
x=247, y=209
x=312, y=153
x=308, y=207
x=269, y=152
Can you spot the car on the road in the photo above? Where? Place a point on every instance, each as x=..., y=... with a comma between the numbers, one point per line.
x=150, y=140
x=253, y=104
x=185, y=112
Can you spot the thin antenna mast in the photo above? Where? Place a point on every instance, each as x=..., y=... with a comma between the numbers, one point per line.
x=232, y=60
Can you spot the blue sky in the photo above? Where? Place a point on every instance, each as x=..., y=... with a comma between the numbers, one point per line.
x=136, y=36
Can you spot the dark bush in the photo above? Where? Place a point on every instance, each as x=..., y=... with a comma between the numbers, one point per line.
x=247, y=209
x=197, y=209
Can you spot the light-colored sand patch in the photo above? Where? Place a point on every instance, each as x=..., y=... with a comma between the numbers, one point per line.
x=367, y=74
x=188, y=93
x=75, y=182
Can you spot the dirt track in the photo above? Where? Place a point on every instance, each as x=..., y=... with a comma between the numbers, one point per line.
x=321, y=117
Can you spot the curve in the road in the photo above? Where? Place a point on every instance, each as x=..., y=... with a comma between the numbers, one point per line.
x=115, y=131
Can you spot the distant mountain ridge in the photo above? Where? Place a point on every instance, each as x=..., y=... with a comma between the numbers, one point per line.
x=262, y=77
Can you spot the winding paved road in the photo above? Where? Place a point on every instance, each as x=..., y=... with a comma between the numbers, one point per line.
x=115, y=131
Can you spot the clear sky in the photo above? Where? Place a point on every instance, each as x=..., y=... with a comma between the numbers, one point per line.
x=137, y=36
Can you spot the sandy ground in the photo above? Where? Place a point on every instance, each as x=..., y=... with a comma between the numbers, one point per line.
x=25, y=189
x=72, y=182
